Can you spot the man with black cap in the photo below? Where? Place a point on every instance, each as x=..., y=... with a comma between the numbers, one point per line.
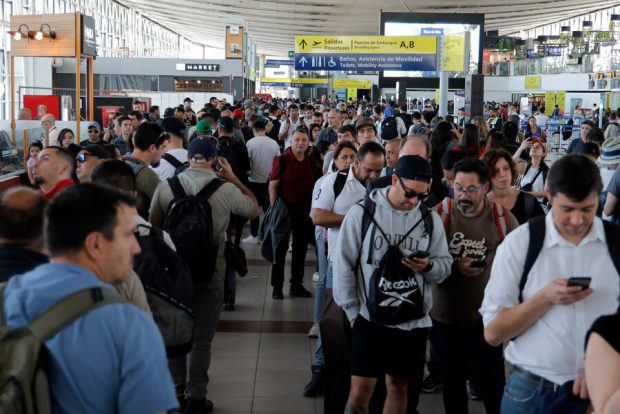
x=175, y=155
x=391, y=216
x=87, y=159
x=231, y=197
x=94, y=135
x=366, y=131
x=189, y=112
x=233, y=150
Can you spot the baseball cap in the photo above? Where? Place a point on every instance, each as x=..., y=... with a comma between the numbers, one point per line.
x=94, y=124
x=364, y=122
x=413, y=167
x=203, y=126
x=202, y=146
x=389, y=112
x=238, y=113
x=174, y=126
x=188, y=99
x=248, y=103
x=226, y=123
x=97, y=151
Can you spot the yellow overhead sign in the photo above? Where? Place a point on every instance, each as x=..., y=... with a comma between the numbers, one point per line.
x=454, y=52
x=532, y=82
x=352, y=84
x=366, y=44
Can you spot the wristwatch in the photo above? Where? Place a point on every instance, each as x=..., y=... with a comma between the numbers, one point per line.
x=429, y=267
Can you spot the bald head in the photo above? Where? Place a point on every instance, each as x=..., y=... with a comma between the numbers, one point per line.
x=416, y=145
x=21, y=217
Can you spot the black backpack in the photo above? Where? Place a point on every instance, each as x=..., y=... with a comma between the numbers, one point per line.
x=393, y=296
x=189, y=222
x=179, y=166
x=169, y=290
x=389, y=129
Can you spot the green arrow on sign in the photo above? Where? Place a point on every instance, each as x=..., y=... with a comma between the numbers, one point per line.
x=291, y=54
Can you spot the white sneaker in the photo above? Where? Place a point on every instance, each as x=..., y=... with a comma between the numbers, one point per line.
x=314, y=331
x=251, y=240
x=315, y=277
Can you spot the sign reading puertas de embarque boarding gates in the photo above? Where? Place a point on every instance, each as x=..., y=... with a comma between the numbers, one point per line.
x=366, y=53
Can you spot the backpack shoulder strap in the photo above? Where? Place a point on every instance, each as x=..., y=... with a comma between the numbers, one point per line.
x=341, y=180
x=444, y=209
x=369, y=207
x=172, y=160
x=612, y=237
x=210, y=188
x=177, y=189
x=2, y=288
x=530, y=204
x=537, y=239
x=427, y=215
x=501, y=220
x=135, y=165
x=71, y=308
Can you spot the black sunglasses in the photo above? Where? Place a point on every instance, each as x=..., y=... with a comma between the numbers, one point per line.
x=81, y=158
x=409, y=193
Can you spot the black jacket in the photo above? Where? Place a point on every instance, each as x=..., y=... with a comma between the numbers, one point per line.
x=16, y=260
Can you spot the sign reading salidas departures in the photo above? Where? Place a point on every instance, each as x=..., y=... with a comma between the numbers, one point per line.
x=366, y=53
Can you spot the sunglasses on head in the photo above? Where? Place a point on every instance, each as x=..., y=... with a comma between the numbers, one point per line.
x=81, y=158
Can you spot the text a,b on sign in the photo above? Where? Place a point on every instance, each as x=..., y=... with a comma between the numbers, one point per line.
x=365, y=53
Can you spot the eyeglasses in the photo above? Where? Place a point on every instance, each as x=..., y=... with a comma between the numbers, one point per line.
x=409, y=193
x=468, y=190
x=81, y=158
x=93, y=130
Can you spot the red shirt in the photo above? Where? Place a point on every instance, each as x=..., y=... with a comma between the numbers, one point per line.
x=297, y=183
x=63, y=184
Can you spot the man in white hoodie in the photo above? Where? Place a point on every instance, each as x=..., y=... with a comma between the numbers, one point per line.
x=396, y=350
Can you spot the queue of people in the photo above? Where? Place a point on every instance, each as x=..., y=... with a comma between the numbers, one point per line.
x=422, y=229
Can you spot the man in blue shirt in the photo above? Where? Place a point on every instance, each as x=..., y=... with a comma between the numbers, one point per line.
x=111, y=360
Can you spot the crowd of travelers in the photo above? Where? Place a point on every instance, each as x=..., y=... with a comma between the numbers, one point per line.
x=451, y=233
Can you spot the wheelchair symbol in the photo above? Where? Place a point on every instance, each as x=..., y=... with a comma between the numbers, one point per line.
x=331, y=62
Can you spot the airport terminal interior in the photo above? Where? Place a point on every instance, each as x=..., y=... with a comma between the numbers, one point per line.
x=311, y=207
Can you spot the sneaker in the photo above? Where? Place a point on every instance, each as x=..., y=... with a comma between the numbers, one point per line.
x=473, y=392
x=277, y=294
x=314, y=331
x=316, y=386
x=202, y=406
x=299, y=291
x=431, y=383
x=251, y=240
x=182, y=403
x=315, y=277
x=229, y=306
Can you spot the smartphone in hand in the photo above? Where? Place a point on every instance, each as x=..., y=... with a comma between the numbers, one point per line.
x=583, y=281
x=419, y=254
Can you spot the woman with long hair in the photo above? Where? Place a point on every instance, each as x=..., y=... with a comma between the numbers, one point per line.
x=483, y=129
x=503, y=175
x=470, y=142
x=533, y=130
x=535, y=175
x=65, y=138
x=441, y=137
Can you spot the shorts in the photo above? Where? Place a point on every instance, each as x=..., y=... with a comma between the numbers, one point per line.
x=379, y=350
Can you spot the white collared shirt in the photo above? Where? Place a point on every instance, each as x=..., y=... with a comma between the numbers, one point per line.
x=552, y=347
x=351, y=193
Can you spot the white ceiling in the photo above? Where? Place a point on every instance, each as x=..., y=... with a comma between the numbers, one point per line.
x=274, y=23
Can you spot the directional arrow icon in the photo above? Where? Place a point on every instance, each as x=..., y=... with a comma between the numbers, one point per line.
x=303, y=61
x=315, y=43
x=303, y=43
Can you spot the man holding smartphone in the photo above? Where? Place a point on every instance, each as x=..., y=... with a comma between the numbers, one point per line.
x=546, y=312
x=474, y=228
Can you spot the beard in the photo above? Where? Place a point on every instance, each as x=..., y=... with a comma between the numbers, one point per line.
x=38, y=180
x=465, y=206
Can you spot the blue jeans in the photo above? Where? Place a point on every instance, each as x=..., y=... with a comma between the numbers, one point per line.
x=319, y=358
x=321, y=258
x=521, y=396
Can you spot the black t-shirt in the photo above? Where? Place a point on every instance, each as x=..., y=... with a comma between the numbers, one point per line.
x=607, y=328
x=526, y=207
x=87, y=142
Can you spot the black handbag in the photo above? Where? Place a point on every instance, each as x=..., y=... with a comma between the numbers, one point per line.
x=235, y=257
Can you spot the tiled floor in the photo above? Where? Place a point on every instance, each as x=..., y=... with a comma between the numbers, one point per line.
x=263, y=367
